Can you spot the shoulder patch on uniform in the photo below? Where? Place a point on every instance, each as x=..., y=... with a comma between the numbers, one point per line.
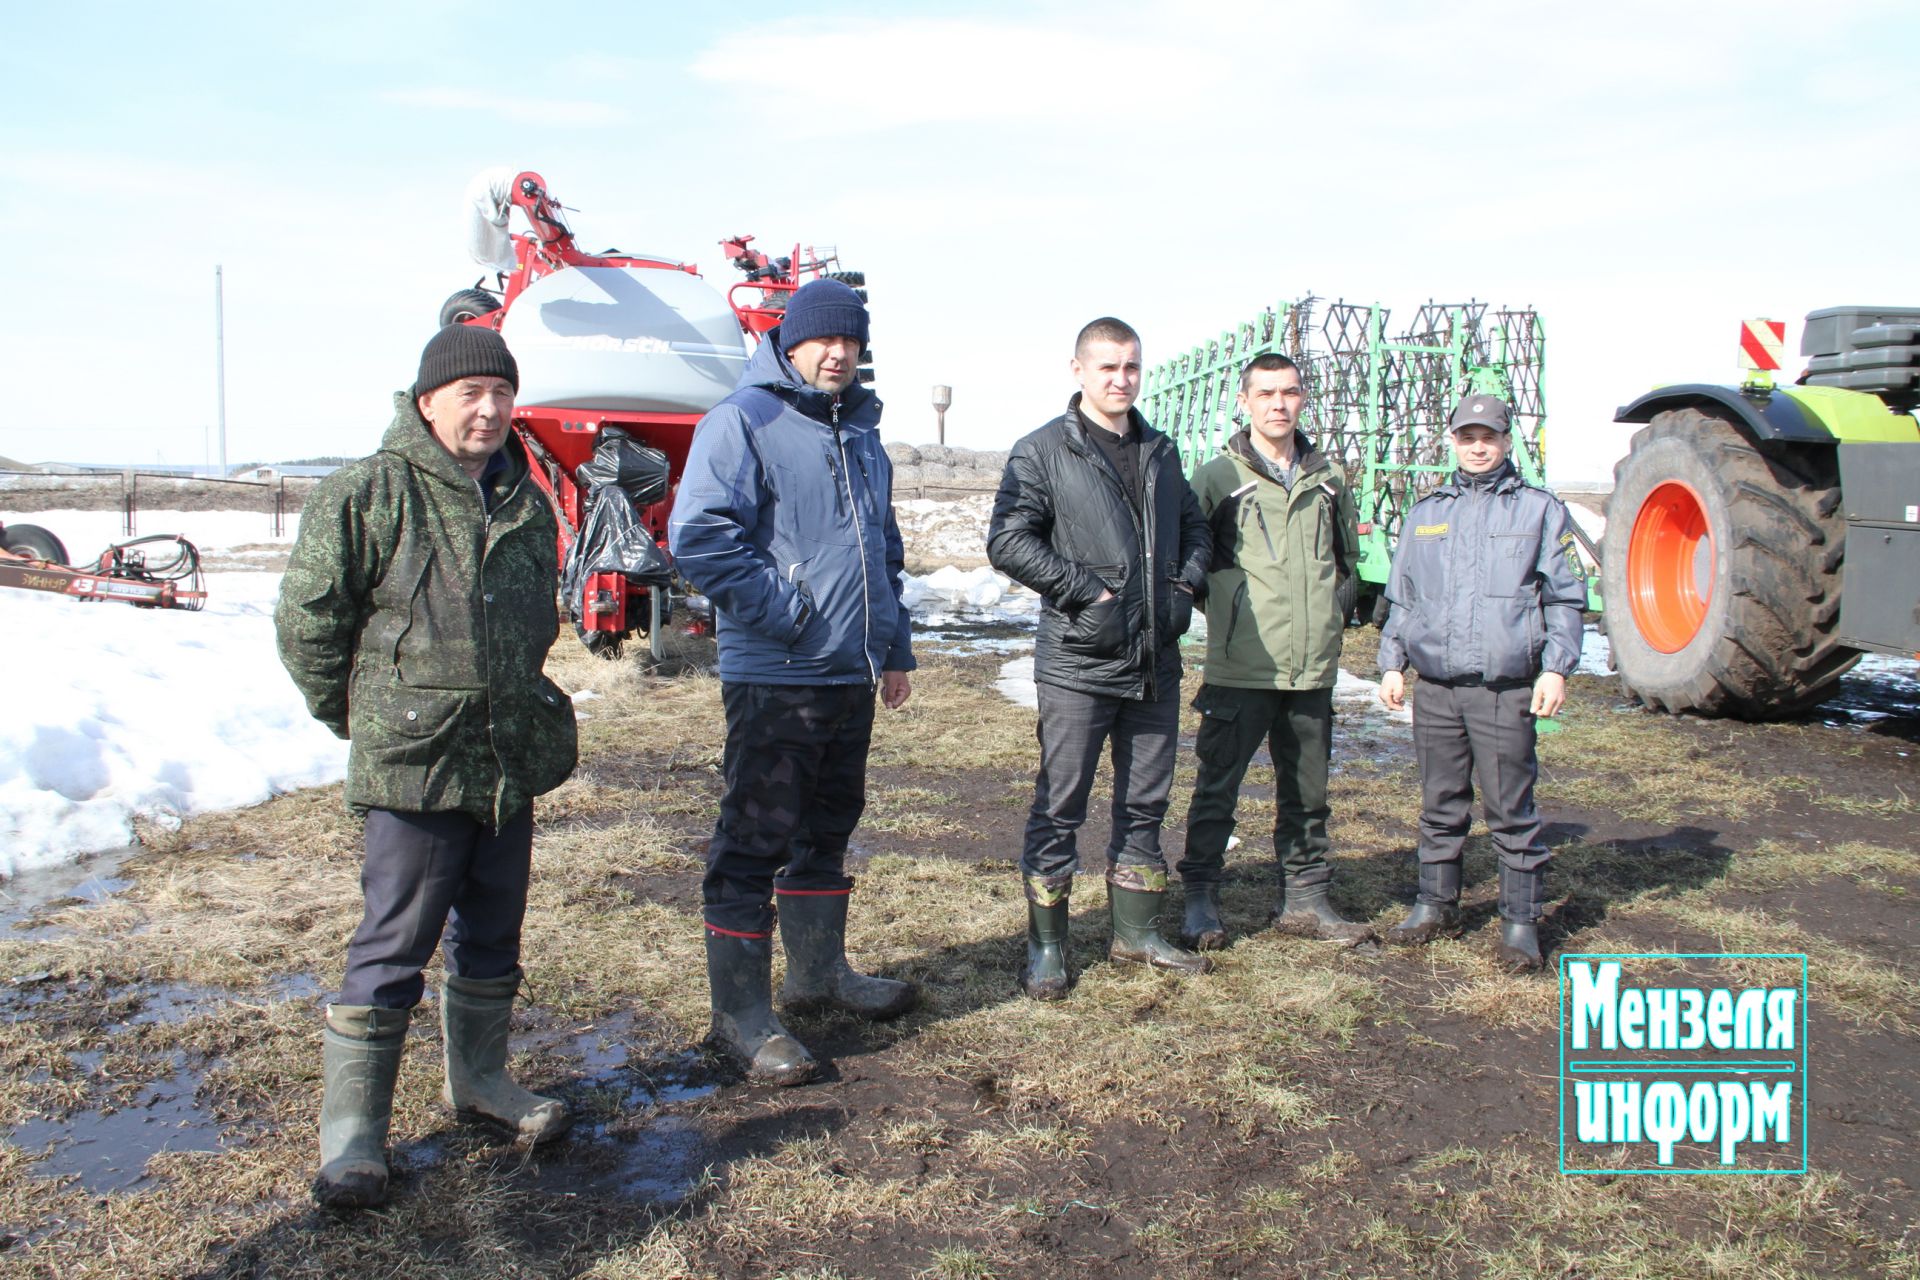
x=1429, y=530
x=1565, y=538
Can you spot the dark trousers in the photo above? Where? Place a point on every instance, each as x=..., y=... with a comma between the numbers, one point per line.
x=796, y=784
x=1297, y=726
x=426, y=872
x=1073, y=727
x=1468, y=734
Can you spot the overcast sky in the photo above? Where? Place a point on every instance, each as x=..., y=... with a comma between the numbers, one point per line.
x=1644, y=174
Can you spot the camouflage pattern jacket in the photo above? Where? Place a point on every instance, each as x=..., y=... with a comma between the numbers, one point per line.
x=415, y=616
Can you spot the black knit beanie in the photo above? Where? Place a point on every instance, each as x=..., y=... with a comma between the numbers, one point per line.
x=823, y=309
x=464, y=351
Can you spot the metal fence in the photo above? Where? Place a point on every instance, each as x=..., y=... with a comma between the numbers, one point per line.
x=1377, y=402
x=128, y=492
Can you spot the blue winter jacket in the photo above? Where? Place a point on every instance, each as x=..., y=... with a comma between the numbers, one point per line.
x=784, y=519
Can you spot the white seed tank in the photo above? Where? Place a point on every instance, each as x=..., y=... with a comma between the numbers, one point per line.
x=634, y=339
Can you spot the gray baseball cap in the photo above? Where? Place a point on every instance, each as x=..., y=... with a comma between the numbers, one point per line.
x=1481, y=411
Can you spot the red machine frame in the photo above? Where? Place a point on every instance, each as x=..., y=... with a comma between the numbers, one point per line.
x=561, y=439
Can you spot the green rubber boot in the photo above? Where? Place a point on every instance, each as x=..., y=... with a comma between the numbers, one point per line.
x=1305, y=911
x=740, y=976
x=474, y=1016
x=361, y=1051
x=1046, y=975
x=813, y=929
x=1134, y=898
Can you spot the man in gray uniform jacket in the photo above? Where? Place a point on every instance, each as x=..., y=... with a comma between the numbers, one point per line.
x=1486, y=595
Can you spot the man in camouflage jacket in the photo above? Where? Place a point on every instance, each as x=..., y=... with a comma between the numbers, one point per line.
x=415, y=616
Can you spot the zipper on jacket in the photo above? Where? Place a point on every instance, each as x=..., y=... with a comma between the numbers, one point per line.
x=1260, y=518
x=860, y=540
x=1233, y=617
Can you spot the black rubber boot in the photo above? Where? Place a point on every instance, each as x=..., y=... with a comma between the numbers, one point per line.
x=1304, y=910
x=813, y=929
x=1523, y=895
x=1202, y=929
x=1437, y=911
x=361, y=1050
x=1046, y=975
x=475, y=1014
x=740, y=976
x=1136, y=926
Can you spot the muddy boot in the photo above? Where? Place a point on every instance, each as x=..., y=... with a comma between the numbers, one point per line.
x=1436, y=912
x=1522, y=896
x=1135, y=908
x=1202, y=929
x=1046, y=976
x=361, y=1048
x=740, y=976
x=813, y=929
x=1303, y=910
x=474, y=1016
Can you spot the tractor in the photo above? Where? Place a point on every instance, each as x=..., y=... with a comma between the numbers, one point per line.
x=620, y=354
x=1741, y=512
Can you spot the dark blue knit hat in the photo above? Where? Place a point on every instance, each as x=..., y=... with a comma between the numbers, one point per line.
x=823, y=309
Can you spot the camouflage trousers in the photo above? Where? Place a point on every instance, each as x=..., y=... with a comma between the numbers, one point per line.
x=796, y=784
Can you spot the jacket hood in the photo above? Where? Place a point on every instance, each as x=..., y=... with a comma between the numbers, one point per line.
x=769, y=367
x=411, y=438
x=1307, y=455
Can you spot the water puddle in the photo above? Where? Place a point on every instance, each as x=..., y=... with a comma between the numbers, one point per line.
x=107, y=1147
x=645, y=1151
x=89, y=882
x=1878, y=689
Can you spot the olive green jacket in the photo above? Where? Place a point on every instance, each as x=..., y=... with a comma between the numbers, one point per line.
x=1272, y=620
x=415, y=621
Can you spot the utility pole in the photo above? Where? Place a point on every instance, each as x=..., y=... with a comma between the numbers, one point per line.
x=942, y=397
x=220, y=360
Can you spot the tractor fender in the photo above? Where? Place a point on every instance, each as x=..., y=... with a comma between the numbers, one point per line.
x=1770, y=417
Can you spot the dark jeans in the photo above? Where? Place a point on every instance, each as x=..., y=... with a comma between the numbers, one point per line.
x=429, y=871
x=1297, y=726
x=1073, y=727
x=796, y=778
x=1465, y=734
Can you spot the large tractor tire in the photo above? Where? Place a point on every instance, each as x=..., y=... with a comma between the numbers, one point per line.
x=1722, y=571
x=32, y=540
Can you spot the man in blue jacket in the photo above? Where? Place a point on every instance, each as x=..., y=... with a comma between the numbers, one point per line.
x=784, y=519
x=1486, y=597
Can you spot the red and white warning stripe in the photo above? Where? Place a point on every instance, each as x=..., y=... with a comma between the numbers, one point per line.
x=1762, y=343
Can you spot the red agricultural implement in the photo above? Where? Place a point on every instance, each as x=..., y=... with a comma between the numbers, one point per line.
x=158, y=572
x=620, y=354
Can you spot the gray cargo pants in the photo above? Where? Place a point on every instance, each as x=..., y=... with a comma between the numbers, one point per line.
x=1073, y=727
x=1465, y=734
x=1297, y=726
x=426, y=872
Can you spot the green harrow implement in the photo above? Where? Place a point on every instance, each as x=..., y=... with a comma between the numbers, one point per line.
x=1379, y=403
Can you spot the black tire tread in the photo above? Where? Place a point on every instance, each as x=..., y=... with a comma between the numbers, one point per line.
x=466, y=302
x=41, y=544
x=1776, y=652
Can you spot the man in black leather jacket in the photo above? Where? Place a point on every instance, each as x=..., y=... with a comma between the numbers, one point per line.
x=1094, y=514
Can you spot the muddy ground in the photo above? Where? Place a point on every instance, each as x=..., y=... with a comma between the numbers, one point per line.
x=1308, y=1109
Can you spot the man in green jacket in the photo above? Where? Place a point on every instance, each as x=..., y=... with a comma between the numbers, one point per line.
x=415, y=617
x=1283, y=538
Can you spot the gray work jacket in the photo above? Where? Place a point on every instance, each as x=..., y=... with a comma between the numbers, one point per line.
x=1485, y=585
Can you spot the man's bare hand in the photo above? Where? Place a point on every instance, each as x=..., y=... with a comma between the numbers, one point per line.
x=1393, y=690
x=895, y=689
x=1549, y=694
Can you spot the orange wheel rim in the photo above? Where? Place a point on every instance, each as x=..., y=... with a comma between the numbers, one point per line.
x=1670, y=567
